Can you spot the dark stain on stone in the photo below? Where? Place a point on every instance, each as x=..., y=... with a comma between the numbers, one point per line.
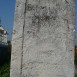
x=42, y=7
x=29, y=7
x=66, y=1
x=36, y=23
x=29, y=32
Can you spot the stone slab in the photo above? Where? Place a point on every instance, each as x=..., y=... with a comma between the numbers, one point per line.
x=43, y=45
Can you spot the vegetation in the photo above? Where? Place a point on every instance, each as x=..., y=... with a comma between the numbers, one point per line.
x=76, y=55
x=5, y=55
x=5, y=70
x=76, y=59
x=76, y=75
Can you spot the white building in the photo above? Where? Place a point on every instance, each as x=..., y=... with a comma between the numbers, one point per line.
x=3, y=35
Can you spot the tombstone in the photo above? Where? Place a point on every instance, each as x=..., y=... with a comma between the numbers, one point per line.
x=43, y=38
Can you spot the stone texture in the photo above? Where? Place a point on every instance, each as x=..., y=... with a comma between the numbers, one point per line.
x=43, y=38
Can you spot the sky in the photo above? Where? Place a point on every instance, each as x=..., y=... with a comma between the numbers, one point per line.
x=7, y=8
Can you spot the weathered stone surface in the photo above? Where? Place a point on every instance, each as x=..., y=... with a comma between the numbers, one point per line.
x=43, y=39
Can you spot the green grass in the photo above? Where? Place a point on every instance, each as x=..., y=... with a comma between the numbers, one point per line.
x=5, y=70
